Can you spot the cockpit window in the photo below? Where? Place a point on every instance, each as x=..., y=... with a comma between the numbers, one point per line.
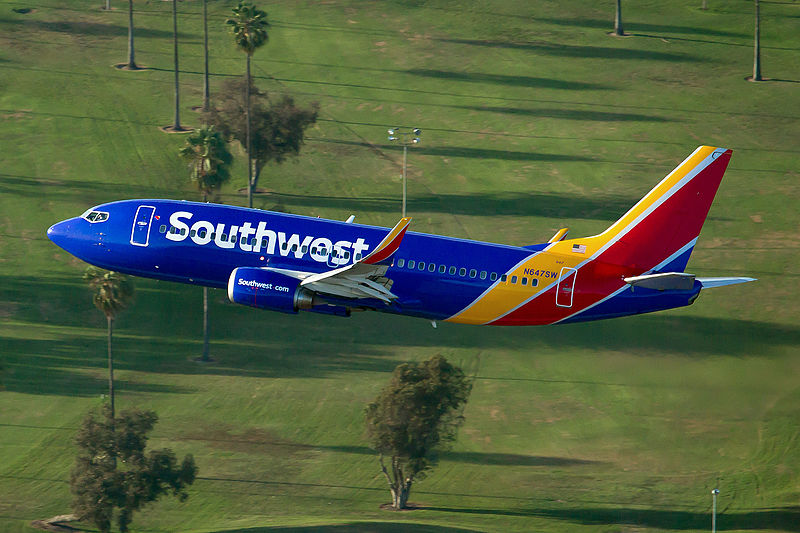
x=95, y=216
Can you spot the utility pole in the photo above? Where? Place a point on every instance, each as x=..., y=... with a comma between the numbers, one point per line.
x=406, y=137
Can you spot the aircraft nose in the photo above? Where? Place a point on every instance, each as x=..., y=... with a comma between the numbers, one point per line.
x=61, y=232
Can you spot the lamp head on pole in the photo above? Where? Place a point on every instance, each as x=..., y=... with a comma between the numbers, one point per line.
x=715, y=492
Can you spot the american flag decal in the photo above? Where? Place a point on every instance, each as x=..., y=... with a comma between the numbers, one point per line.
x=579, y=248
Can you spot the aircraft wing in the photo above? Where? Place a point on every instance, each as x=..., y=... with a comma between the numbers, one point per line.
x=364, y=278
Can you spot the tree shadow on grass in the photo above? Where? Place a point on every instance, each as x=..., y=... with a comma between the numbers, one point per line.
x=581, y=51
x=354, y=527
x=93, y=29
x=501, y=79
x=640, y=26
x=463, y=151
x=478, y=458
x=784, y=519
x=556, y=206
x=571, y=114
x=84, y=192
x=34, y=376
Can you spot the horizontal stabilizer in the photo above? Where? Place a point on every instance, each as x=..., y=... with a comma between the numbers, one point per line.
x=680, y=281
x=708, y=283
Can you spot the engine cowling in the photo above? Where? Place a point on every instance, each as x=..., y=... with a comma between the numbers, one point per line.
x=265, y=289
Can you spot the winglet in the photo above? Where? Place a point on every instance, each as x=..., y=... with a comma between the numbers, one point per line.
x=389, y=244
x=559, y=236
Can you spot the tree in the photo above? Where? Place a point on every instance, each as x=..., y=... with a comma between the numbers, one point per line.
x=112, y=292
x=209, y=162
x=757, y=46
x=277, y=126
x=248, y=25
x=131, y=62
x=413, y=418
x=618, y=20
x=176, y=125
x=206, y=89
x=99, y=486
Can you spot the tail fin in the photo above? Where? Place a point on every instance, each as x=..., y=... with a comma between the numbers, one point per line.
x=662, y=228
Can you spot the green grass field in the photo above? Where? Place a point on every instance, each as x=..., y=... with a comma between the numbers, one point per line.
x=533, y=118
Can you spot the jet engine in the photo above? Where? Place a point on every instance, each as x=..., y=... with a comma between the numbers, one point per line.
x=264, y=289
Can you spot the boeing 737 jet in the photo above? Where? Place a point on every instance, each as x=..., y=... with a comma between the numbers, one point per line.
x=290, y=263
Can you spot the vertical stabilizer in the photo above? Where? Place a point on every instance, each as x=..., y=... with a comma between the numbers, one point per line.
x=664, y=225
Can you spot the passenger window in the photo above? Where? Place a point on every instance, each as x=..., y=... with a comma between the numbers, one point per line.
x=213, y=235
x=452, y=271
x=263, y=243
x=400, y=262
x=483, y=274
x=358, y=257
x=421, y=265
x=431, y=267
x=462, y=271
x=493, y=277
x=192, y=233
x=524, y=281
x=283, y=246
x=347, y=255
x=513, y=279
x=534, y=282
x=163, y=228
x=243, y=240
x=503, y=278
x=294, y=248
x=473, y=273
x=253, y=241
x=183, y=231
x=201, y=233
x=442, y=269
x=224, y=237
x=411, y=263
x=314, y=251
x=304, y=249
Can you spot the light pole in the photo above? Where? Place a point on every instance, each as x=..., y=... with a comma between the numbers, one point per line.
x=406, y=137
x=714, y=510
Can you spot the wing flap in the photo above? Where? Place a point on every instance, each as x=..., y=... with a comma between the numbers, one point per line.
x=362, y=279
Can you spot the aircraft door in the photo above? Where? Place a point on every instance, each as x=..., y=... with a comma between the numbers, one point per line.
x=566, y=286
x=140, y=234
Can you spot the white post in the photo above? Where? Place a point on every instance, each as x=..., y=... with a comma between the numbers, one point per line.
x=405, y=186
x=714, y=510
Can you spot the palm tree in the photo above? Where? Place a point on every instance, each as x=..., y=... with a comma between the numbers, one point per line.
x=131, y=63
x=618, y=20
x=176, y=126
x=209, y=162
x=757, y=47
x=249, y=28
x=112, y=293
x=206, y=90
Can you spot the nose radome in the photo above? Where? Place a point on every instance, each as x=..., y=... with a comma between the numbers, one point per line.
x=60, y=232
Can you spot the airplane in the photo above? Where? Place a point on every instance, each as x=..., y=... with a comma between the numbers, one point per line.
x=291, y=263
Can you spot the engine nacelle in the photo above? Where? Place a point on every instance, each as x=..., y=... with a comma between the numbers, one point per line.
x=265, y=289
